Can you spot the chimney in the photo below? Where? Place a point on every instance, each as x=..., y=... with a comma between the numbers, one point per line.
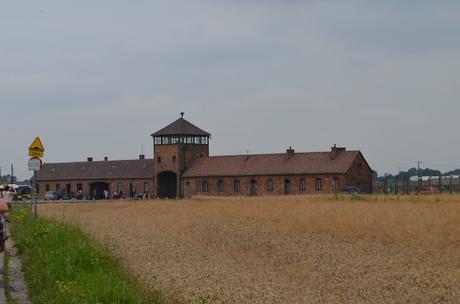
x=90, y=159
x=290, y=152
x=335, y=151
x=141, y=156
x=106, y=158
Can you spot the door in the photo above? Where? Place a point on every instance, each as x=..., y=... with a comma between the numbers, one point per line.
x=287, y=188
x=252, y=188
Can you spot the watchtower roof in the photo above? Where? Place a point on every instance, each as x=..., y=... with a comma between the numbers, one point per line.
x=181, y=127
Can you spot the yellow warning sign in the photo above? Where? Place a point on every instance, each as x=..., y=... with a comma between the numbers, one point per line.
x=36, y=149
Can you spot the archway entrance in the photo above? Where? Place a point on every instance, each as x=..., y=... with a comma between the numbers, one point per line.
x=167, y=184
x=96, y=190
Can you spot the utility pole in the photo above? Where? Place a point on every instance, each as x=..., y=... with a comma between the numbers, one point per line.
x=418, y=175
x=12, y=175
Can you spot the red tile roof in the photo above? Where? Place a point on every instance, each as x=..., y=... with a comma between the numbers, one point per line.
x=181, y=127
x=272, y=164
x=118, y=169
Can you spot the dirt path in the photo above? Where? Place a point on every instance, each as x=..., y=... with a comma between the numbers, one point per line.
x=17, y=285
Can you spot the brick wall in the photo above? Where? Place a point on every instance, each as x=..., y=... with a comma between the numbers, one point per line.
x=194, y=186
x=360, y=175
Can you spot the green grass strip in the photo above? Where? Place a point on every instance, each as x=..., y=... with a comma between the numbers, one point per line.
x=62, y=265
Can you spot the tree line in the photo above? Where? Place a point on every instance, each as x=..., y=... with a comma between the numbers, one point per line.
x=415, y=172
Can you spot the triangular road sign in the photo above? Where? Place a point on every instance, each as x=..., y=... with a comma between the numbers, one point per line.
x=36, y=149
x=37, y=145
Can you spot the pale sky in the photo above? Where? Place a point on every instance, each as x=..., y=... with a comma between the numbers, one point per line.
x=96, y=78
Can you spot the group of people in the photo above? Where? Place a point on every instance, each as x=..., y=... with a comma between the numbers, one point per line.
x=6, y=199
x=117, y=194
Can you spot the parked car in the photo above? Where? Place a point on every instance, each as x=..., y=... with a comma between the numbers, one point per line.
x=50, y=196
x=62, y=194
x=351, y=190
x=426, y=191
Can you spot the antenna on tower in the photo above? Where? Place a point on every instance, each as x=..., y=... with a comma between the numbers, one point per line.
x=142, y=148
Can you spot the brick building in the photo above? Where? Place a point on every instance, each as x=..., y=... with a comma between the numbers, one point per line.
x=131, y=177
x=182, y=167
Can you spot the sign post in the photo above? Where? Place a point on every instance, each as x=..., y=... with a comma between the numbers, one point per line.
x=36, y=150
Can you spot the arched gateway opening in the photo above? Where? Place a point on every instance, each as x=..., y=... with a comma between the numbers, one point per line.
x=97, y=190
x=167, y=184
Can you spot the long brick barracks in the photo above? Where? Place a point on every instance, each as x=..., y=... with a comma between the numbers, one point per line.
x=182, y=167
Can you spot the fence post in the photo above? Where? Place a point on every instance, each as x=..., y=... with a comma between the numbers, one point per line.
x=451, y=185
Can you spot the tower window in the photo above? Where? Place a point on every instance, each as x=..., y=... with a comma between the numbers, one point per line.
x=174, y=158
x=158, y=159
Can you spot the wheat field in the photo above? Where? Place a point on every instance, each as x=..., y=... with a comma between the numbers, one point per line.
x=295, y=249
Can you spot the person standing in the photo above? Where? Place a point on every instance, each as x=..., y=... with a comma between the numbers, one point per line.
x=3, y=216
x=106, y=194
x=8, y=195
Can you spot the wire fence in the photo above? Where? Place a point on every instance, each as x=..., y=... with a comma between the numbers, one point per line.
x=423, y=184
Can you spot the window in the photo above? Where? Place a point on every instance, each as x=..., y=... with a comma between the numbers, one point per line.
x=174, y=158
x=68, y=188
x=37, y=188
x=220, y=186
x=58, y=186
x=79, y=187
x=205, y=186
x=302, y=184
x=270, y=185
x=47, y=187
x=236, y=185
x=335, y=183
x=158, y=159
x=146, y=187
x=119, y=187
x=318, y=184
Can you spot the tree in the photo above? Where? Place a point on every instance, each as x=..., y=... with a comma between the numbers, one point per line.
x=6, y=179
x=375, y=175
x=453, y=172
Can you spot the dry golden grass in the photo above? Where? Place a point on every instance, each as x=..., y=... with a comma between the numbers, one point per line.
x=296, y=249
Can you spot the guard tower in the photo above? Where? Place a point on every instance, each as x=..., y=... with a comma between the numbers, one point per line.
x=174, y=149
